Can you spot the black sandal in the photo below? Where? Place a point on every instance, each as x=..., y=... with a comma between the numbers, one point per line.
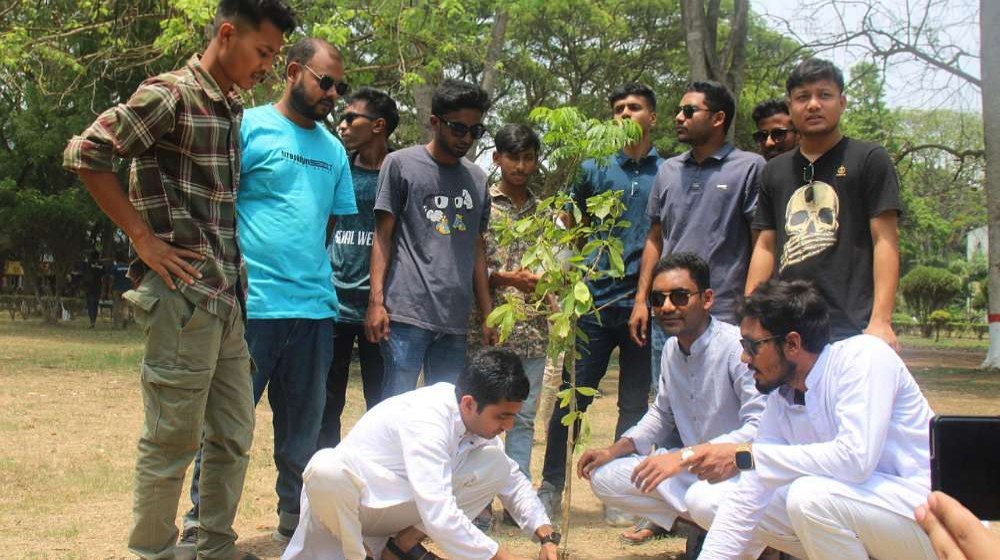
x=418, y=552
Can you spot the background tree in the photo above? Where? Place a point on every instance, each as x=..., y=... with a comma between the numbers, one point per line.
x=928, y=289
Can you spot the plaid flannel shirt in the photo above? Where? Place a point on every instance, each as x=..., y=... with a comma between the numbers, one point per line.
x=182, y=134
x=530, y=338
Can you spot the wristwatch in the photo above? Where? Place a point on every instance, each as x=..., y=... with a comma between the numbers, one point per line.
x=744, y=457
x=552, y=537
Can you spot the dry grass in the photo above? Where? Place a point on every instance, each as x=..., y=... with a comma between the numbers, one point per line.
x=70, y=414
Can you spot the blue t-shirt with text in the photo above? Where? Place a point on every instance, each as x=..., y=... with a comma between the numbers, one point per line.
x=292, y=180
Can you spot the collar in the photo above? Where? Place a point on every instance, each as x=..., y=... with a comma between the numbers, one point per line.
x=724, y=150
x=496, y=193
x=622, y=158
x=206, y=81
x=701, y=343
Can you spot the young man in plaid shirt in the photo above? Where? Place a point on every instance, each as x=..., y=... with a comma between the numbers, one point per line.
x=181, y=130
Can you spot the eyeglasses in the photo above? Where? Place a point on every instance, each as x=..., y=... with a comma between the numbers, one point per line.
x=327, y=82
x=459, y=130
x=776, y=134
x=808, y=172
x=751, y=347
x=690, y=110
x=349, y=117
x=679, y=298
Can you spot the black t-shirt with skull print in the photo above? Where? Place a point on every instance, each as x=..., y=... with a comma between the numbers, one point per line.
x=820, y=213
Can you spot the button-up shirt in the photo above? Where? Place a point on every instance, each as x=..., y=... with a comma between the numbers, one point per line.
x=706, y=208
x=182, y=134
x=634, y=180
x=420, y=436
x=709, y=394
x=864, y=415
x=529, y=339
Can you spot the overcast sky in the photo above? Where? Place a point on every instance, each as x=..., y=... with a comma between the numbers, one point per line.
x=908, y=83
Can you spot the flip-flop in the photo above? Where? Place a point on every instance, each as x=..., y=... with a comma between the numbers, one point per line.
x=648, y=530
x=418, y=552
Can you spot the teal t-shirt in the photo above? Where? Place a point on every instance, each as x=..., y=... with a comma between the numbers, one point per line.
x=292, y=180
x=350, y=249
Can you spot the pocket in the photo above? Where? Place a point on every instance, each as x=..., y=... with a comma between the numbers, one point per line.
x=143, y=300
x=174, y=404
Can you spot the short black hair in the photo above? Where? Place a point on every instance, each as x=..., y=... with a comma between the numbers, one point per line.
x=492, y=375
x=305, y=49
x=515, y=138
x=695, y=265
x=633, y=88
x=455, y=95
x=254, y=12
x=377, y=103
x=785, y=306
x=717, y=98
x=813, y=70
x=768, y=108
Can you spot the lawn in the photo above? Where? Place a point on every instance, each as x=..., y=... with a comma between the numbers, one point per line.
x=70, y=413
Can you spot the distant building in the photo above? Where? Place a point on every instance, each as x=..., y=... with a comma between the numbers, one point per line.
x=977, y=243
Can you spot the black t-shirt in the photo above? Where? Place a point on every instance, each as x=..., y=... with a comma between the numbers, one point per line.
x=824, y=233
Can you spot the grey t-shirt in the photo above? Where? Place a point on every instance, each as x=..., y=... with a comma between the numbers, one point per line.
x=440, y=211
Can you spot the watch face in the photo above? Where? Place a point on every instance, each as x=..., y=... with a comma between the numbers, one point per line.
x=744, y=460
x=553, y=538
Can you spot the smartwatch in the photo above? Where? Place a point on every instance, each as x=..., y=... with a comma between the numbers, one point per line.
x=552, y=537
x=744, y=457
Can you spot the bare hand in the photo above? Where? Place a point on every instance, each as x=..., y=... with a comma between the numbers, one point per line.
x=954, y=531
x=548, y=551
x=654, y=469
x=524, y=280
x=167, y=260
x=591, y=460
x=376, y=323
x=713, y=462
x=491, y=335
x=884, y=331
x=638, y=324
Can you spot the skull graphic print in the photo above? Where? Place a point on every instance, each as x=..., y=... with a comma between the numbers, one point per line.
x=810, y=223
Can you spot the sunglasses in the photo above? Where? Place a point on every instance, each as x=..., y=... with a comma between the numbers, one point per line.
x=776, y=134
x=459, y=130
x=350, y=116
x=751, y=347
x=679, y=298
x=327, y=82
x=690, y=110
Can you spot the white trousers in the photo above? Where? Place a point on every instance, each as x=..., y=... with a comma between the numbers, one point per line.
x=612, y=485
x=335, y=524
x=819, y=518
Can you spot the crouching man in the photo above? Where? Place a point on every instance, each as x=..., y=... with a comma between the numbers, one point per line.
x=841, y=456
x=706, y=392
x=423, y=464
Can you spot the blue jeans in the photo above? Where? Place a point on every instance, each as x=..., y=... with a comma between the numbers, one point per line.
x=292, y=358
x=591, y=365
x=522, y=435
x=344, y=335
x=658, y=339
x=410, y=348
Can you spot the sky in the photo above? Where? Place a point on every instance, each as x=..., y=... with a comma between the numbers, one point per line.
x=909, y=83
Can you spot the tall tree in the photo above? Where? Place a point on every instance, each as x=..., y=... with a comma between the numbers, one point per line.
x=990, y=61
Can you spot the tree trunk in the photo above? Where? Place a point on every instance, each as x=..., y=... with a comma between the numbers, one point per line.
x=569, y=361
x=990, y=71
x=695, y=31
x=490, y=70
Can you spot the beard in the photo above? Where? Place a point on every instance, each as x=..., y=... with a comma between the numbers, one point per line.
x=312, y=111
x=765, y=388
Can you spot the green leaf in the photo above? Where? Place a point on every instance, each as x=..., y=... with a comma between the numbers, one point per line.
x=587, y=391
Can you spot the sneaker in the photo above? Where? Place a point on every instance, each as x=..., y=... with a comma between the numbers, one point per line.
x=551, y=499
x=618, y=518
x=282, y=535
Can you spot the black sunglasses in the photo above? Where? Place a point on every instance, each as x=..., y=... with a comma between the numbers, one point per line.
x=690, y=110
x=808, y=172
x=459, y=130
x=349, y=117
x=327, y=82
x=751, y=347
x=776, y=134
x=679, y=298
